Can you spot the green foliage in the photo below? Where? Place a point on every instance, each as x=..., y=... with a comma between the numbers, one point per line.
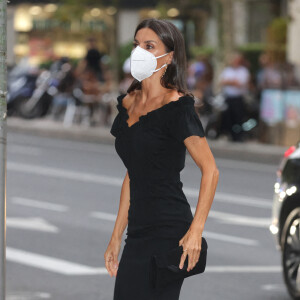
x=276, y=39
x=69, y=11
x=251, y=52
x=162, y=8
x=252, y=47
x=196, y=51
x=278, y=31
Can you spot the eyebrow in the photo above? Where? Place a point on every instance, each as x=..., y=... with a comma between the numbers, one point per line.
x=150, y=41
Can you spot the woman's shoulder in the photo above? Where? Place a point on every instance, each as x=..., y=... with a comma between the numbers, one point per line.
x=181, y=102
x=126, y=97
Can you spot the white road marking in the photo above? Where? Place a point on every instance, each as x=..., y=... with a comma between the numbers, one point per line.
x=59, y=173
x=23, y=150
x=212, y=235
x=243, y=269
x=39, y=204
x=52, y=264
x=103, y=215
x=273, y=287
x=230, y=238
x=69, y=268
x=247, y=166
x=233, y=198
x=37, y=224
x=115, y=181
x=238, y=219
x=24, y=295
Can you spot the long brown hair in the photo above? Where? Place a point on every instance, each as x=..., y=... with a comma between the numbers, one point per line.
x=175, y=75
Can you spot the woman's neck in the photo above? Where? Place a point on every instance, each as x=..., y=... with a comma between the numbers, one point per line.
x=152, y=89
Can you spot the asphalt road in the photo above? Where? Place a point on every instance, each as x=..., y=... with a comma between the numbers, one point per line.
x=62, y=199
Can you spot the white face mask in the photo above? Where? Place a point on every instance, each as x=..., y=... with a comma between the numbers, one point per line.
x=143, y=63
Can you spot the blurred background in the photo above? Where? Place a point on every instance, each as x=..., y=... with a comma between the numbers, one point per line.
x=76, y=52
x=68, y=61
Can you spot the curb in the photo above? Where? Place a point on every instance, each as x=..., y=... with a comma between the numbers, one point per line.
x=49, y=128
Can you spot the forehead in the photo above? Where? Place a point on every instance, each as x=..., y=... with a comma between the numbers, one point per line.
x=147, y=34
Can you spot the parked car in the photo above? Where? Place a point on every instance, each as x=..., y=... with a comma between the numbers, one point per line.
x=286, y=218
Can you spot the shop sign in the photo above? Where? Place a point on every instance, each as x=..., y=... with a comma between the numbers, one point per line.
x=277, y=106
x=271, y=106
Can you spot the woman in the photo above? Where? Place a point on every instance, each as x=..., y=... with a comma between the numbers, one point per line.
x=156, y=122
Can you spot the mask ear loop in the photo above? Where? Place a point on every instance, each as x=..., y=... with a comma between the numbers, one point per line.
x=162, y=55
x=162, y=65
x=164, y=72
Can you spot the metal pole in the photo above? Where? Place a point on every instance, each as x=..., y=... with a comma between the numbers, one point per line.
x=3, y=109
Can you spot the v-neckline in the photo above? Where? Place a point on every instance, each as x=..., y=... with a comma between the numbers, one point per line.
x=147, y=114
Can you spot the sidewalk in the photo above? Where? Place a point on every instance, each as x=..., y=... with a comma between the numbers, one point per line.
x=250, y=151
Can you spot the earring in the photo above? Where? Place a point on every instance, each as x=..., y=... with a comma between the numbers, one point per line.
x=164, y=72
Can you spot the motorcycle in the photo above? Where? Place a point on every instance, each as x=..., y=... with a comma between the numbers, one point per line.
x=33, y=99
x=20, y=85
x=38, y=104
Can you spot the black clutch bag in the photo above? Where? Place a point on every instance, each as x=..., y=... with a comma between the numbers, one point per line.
x=164, y=268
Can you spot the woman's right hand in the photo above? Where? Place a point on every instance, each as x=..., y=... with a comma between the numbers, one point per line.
x=111, y=256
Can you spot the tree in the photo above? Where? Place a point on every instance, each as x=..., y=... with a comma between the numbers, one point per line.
x=3, y=108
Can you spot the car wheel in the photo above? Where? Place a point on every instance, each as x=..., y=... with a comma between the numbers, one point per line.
x=291, y=253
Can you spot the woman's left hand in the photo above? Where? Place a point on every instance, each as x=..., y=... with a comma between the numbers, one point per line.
x=191, y=242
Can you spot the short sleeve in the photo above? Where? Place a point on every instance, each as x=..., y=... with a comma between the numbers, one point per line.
x=117, y=122
x=115, y=127
x=185, y=122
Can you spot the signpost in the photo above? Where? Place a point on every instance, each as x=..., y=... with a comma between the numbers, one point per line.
x=3, y=109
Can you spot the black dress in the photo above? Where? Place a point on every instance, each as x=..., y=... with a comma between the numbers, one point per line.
x=159, y=215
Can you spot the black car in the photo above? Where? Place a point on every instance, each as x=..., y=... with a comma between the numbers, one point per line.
x=286, y=218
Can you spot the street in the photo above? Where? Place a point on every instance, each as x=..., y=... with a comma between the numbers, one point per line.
x=62, y=200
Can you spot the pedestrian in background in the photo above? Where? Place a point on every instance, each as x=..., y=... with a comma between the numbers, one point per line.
x=93, y=59
x=234, y=80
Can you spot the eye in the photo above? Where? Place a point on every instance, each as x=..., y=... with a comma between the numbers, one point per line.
x=134, y=44
x=149, y=46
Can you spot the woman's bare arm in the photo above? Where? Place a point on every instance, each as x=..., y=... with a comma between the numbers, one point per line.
x=201, y=154
x=113, y=248
x=192, y=240
x=122, y=217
